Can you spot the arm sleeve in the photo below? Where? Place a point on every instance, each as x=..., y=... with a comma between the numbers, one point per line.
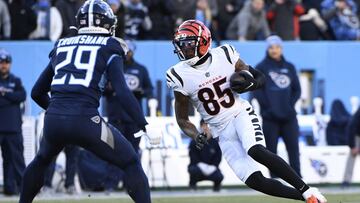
x=39, y=92
x=126, y=97
x=19, y=95
x=260, y=94
x=295, y=86
x=259, y=77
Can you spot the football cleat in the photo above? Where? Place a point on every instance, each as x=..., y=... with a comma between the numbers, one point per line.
x=313, y=195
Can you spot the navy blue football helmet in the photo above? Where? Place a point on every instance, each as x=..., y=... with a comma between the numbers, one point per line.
x=96, y=17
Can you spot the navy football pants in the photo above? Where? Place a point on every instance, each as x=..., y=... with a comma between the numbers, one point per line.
x=196, y=175
x=289, y=131
x=12, y=149
x=93, y=134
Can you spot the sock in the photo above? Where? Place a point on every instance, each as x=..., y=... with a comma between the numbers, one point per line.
x=272, y=187
x=278, y=166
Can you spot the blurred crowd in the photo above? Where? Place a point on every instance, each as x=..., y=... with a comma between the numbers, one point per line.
x=157, y=19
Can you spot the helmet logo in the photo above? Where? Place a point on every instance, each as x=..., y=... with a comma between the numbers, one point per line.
x=182, y=35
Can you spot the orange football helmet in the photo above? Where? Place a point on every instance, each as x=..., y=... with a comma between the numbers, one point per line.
x=192, y=41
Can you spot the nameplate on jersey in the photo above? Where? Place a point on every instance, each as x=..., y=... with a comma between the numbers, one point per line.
x=83, y=39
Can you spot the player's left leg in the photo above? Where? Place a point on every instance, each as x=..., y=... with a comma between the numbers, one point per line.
x=246, y=168
x=34, y=174
x=250, y=133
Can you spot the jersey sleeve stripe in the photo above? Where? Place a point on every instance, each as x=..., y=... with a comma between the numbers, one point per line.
x=177, y=76
x=226, y=53
x=232, y=49
x=169, y=78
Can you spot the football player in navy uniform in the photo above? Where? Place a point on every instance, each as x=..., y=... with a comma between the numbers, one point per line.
x=78, y=70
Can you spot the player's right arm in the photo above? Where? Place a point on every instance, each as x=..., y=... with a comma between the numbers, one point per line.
x=127, y=99
x=182, y=117
x=39, y=92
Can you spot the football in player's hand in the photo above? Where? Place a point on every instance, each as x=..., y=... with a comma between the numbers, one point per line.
x=239, y=82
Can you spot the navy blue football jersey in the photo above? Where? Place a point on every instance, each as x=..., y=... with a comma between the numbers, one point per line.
x=79, y=64
x=77, y=73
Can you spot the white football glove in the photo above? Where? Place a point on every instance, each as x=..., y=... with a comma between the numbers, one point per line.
x=153, y=138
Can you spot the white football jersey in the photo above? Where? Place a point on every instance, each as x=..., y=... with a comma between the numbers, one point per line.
x=208, y=86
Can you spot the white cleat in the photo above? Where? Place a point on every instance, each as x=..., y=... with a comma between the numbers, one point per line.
x=313, y=195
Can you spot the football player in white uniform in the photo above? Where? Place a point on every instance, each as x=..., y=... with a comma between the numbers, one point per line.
x=202, y=78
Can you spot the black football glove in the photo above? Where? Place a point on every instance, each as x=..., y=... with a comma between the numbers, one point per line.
x=249, y=83
x=201, y=140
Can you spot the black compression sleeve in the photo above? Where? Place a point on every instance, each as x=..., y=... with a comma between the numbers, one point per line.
x=278, y=166
x=126, y=97
x=272, y=187
x=39, y=92
x=259, y=77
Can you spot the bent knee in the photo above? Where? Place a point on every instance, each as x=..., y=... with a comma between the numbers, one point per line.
x=257, y=151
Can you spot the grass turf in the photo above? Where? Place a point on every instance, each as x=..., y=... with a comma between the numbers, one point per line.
x=339, y=198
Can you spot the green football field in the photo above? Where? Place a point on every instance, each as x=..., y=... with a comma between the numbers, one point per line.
x=348, y=198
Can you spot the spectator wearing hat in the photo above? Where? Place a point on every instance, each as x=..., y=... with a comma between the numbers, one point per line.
x=12, y=94
x=277, y=100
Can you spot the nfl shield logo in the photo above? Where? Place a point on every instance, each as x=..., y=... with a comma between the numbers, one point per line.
x=207, y=74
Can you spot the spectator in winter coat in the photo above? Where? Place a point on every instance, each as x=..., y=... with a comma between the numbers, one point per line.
x=283, y=16
x=250, y=23
x=5, y=23
x=49, y=22
x=23, y=20
x=68, y=10
x=277, y=101
x=341, y=15
x=136, y=19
